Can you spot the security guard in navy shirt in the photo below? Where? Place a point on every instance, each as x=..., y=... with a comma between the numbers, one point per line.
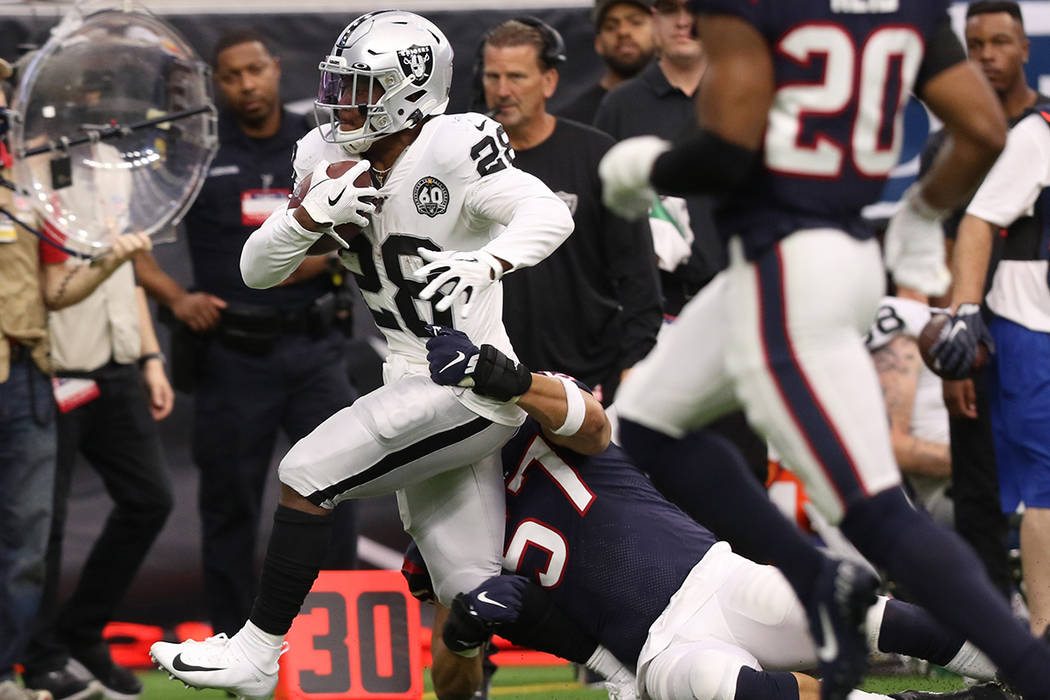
x=257, y=360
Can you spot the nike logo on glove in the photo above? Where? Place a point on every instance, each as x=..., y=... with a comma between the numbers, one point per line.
x=827, y=651
x=484, y=598
x=956, y=329
x=333, y=200
x=178, y=664
x=455, y=361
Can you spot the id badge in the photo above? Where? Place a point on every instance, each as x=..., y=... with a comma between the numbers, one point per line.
x=8, y=234
x=72, y=392
x=257, y=205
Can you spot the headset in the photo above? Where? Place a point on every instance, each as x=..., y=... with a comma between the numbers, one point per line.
x=552, y=56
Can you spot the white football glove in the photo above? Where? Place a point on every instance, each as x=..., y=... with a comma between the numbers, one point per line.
x=625, y=171
x=914, y=246
x=338, y=201
x=469, y=272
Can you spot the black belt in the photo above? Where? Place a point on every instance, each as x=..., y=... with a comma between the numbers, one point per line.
x=20, y=352
x=267, y=320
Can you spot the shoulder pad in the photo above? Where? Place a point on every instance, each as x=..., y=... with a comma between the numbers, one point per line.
x=456, y=140
x=308, y=151
x=895, y=317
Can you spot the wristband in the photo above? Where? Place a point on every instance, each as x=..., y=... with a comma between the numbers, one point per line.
x=922, y=207
x=299, y=229
x=150, y=356
x=576, y=410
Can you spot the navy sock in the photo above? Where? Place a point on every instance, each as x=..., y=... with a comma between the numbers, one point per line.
x=705, y=475
x=947, y=579
x=908, y=629
x=765, y=685
x=298, y=546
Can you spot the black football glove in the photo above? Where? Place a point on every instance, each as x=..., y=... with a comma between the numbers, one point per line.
x=456, y=361
x=475, y=615
x=955, y=350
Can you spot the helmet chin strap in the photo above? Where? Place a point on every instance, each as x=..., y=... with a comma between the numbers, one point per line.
x=361, y=145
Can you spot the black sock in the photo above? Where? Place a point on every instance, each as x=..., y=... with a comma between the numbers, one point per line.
x=908, y=629
x=947, y=579
x=544, y=627
x=298, y=546
x=705, y=475
x=765, y=685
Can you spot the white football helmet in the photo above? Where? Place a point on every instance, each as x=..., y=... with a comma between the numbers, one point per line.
x=394, y=67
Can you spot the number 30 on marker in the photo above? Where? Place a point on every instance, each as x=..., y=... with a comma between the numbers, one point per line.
x=357, y=636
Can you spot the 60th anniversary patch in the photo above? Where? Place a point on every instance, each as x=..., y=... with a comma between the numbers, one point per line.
x=430, y=196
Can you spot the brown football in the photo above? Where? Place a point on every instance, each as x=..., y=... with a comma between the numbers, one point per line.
x=326, y=244
x=929, y=335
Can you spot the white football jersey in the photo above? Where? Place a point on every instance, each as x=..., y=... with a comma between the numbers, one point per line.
x=454, y=188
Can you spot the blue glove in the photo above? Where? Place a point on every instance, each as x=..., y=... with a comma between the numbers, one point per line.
x=452, y=357
x=456, y=361
x=955, y=350
x=476, y=614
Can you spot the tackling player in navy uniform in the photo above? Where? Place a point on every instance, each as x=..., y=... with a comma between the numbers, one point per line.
x=800, y=124
x=640, y=577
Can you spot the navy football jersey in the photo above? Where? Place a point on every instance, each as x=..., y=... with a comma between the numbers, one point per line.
x=598, y=536
x=844, y=70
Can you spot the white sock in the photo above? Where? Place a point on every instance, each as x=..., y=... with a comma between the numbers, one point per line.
x=873, y=622
x=262, y=648
x=862, y=695
x=603, y=662
x=969, y=661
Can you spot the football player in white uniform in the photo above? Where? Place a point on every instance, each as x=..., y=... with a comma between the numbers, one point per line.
x=448, y=216
x=918, y=418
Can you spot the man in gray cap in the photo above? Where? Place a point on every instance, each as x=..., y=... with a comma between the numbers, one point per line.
x=624, y=40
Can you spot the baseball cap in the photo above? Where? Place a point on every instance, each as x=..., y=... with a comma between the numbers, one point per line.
x=602, y=6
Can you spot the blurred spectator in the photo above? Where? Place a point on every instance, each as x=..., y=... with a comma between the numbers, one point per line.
x=1019, y=301
x=34, y=277
x=623, y=39
x=113, y=390
x=660, y=101
x=996, y=43
x=599, y=288
x=258, y=360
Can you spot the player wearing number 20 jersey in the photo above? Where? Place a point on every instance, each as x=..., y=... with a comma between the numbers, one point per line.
x=844, y=71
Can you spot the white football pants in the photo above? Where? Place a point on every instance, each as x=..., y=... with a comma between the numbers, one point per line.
x=782, y=337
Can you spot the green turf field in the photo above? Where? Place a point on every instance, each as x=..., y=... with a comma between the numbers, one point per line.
x=540, y=683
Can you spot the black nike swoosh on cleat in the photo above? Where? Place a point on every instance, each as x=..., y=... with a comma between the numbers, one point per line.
x=332, y=201
x=178, y=665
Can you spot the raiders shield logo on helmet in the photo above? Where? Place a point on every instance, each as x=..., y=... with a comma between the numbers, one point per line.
x=417, y=63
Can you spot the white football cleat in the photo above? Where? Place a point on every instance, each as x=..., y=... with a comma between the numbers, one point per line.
x=217, y=662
